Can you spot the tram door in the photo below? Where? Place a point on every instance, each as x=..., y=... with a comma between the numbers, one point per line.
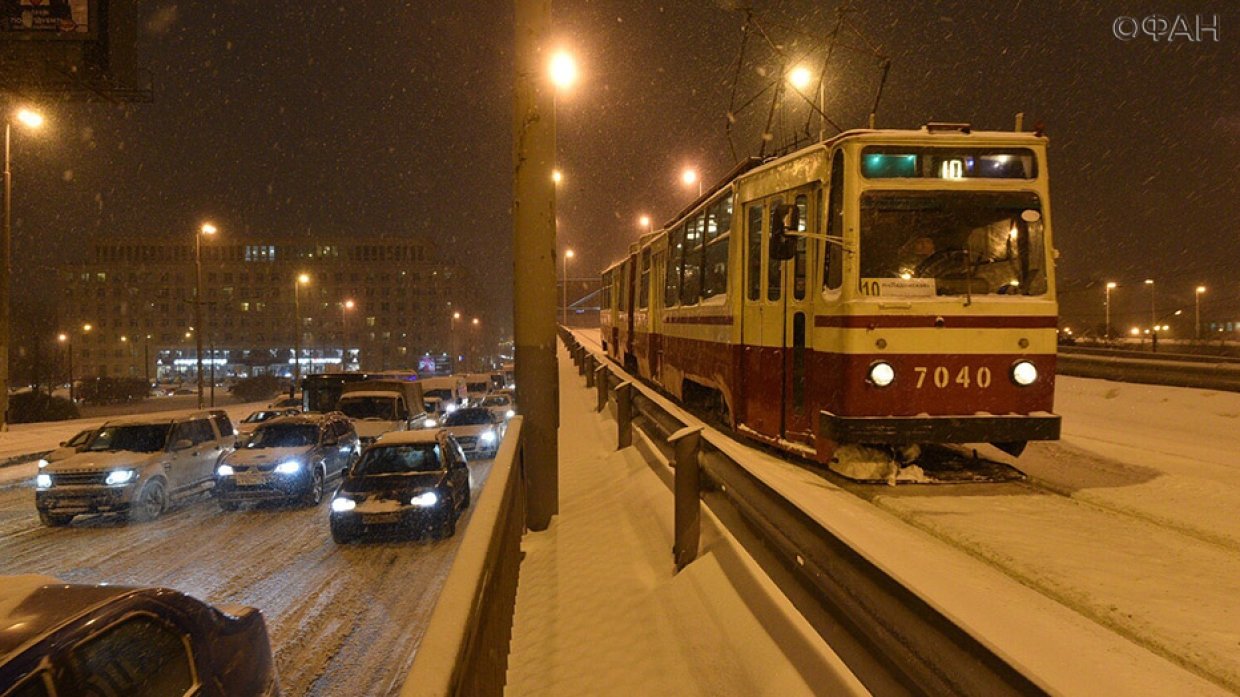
x=793, y=278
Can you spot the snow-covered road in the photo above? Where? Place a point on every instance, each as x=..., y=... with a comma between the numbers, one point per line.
x=342, y=620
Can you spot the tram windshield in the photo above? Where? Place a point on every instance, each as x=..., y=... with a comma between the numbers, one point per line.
x=935, y=243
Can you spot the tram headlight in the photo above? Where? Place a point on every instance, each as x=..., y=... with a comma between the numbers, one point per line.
x=1024, y=373
x=882, y=374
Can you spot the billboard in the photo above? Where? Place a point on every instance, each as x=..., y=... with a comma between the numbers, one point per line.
x=48, y=19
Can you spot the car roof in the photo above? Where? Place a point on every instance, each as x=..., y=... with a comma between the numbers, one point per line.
x=430, y=435
x=310, y=418
x=32, y=605
x=160, y=420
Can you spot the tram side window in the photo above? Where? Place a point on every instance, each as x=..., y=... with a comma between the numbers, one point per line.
x=691, y=286
x=754, y=253
x=715, y=278
x=799, y=265
x=643, y=290
x=774, y=271
x=675, y=257
x=833, y=260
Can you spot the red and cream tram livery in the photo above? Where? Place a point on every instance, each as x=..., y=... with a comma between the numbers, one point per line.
x=884, y=287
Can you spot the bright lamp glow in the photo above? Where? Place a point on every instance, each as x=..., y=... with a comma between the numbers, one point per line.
x=882, y=374
x=509, y=414
x=425, y=499
x=290, y=467
x=1024, y=373
x=43, y=481
x=342, y=505
x=689, y=176
x=303, y=278
x=487, y=437
x=116, y=477
x=563, y=70
x=450, y=408
x=209, y=229
x=430, y=423
x=43, y=463
x=224, y=470
x=800, y=77
x=30, y=119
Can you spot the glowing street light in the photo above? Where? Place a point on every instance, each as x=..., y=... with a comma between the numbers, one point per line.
x=29, y=119
x=1197, y=308
x=344, y=332
x=568, y=254
x=1111, y=285
x=563, y=70
x=302, y=279
x=557, y=176
x=206, y=229
x=690, y=176
x=646, y=223
x=800, y=77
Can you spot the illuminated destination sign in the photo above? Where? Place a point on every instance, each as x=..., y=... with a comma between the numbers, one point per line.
x=899, y=162
x=46, y=19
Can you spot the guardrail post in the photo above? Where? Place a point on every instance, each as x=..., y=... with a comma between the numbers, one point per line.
x=581, y=360
x=588, y=367
x=688, y=513
x=600, y=381
x=624, y=415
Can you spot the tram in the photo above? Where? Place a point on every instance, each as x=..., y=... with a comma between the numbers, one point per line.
x=881, y=288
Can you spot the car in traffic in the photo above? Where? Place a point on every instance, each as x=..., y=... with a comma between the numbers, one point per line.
x=85, y=639
x=286, y=402
x=501, y=406
x=477, y=429
x=247, y=425
x=67, y=448
x=407, y=483
x=290, y=458
x=477, y=385
x=136, y=466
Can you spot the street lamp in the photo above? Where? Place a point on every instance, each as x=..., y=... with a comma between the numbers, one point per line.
x=1197, y=308
x=68, y=343
x=301, y=280
x=1153, y=315
x=690, y=176
x=205, y=229
x=563, y=69
x=473, y=340
x=1110, y=287
x=800, y=77
x=568, y=254
x=456, y=351
x=29, y=119
x=344, y=333
x=646, y=223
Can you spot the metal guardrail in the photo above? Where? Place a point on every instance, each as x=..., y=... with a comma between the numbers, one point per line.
x=1205, y=372
x=465, y=648
x=897, y=638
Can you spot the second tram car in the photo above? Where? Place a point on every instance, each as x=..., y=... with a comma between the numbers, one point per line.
x=884, y=287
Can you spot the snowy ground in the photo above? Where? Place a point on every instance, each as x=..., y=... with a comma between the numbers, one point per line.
x=1131, y=519
x=600, y=612
x=342, y=620
x=1112, y=570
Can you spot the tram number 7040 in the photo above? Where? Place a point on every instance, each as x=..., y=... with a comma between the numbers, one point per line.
x=941, y=377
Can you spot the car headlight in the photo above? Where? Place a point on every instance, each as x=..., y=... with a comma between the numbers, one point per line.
x=341, y=504
x=43, y=462
x=425, y=499
x=290, y=467
x=509, y=414
x=1024, y=373
x=116, y=477
x=487, y=437
x=430, y=423
x=43, y=481
x=882, y=374
x=450, y=408
x=224, y=470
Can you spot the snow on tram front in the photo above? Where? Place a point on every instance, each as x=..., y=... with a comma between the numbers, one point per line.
x=882, y=288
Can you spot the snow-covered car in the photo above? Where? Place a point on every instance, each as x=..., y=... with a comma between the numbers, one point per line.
x=136, y=467
x=68, y=448
x=501, y=406
x=477, y=429
x=71, y=639
x=477, y=386
x=408, y=482
x=288, y=458
x=434, y=412
x=293, y=402
x=247, y=425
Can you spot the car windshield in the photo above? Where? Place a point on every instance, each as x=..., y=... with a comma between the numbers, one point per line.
x=259, y=416
x=380, y=408
x=284, y=436
x=478, y=387
x=399, y=459
x=146, y=438
x=80, y=438
x=443, y=393
x=468, y=417
x=495, y=401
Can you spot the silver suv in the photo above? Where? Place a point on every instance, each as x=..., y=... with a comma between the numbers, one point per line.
x=136, y=466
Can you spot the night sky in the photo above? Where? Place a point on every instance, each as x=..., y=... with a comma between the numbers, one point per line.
x=314, y=121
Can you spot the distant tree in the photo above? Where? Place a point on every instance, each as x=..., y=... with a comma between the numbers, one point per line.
x=257, y=388
x=29, y=407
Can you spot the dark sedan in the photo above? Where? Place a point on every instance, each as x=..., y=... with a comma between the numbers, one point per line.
x=67, y=639
x=408, y=482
